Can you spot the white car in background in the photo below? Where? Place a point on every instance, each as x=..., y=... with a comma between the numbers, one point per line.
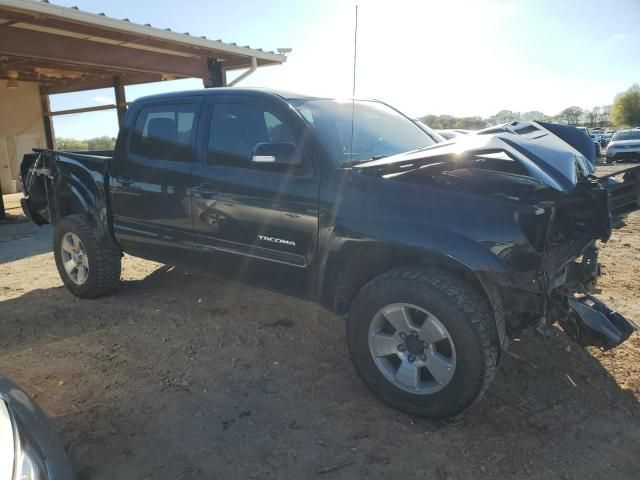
x=624, y=146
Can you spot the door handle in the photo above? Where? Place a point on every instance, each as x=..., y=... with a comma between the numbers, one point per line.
x=124, y=180
x=204, y=190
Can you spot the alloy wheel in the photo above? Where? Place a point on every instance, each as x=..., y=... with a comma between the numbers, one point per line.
x=412, y=348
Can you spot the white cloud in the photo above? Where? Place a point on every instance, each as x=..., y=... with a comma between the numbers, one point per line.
x=617, y=37
x=101, y=99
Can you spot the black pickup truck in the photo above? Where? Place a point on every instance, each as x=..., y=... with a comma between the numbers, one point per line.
x=438, y=252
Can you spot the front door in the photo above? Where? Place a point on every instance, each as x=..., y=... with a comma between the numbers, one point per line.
x=149, y=180
x=255, y=222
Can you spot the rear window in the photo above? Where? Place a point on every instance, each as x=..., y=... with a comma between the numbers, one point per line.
x=164, y=133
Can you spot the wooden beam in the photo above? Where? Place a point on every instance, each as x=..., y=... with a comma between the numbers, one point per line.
x=18, y=63
x=2, y=212
x=81, y=110
x=46, y=119
x=30, y=77
x=215, y=74
x=121, y=100
x=101, y=83
x=45, y=46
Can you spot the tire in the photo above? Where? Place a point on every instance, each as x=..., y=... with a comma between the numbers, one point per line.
x=443, y=300
x=97, y=271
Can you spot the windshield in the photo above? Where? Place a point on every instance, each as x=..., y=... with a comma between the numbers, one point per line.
x=628, y=135
x=378, y=130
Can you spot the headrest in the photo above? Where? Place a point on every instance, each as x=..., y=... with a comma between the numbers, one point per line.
x=164, y=128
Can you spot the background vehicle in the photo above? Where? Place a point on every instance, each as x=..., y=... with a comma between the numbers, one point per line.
x=437, y=252
x=596, y=140
x=29, y=448
x=624, y=146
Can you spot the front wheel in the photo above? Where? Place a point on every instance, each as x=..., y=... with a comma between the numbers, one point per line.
x=87, y=268
x=423, y=341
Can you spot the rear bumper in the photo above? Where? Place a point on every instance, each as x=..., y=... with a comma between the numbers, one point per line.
x=629, y=154
x=24, y=203
x=32, y=216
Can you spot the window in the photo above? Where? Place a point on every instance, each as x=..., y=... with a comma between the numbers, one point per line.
x=371, y=128
x=164, y=133
x=626, y=135
x=236, y=129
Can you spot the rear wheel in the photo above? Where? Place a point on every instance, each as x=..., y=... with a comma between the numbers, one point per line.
x=423, y=341
x=87, y=268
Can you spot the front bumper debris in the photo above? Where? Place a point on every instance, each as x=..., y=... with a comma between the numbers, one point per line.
x=591, y=322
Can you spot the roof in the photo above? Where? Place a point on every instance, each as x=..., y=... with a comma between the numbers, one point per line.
x=59, y=46
x=285, y=95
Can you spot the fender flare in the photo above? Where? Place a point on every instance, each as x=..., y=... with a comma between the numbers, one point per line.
x=77, y=192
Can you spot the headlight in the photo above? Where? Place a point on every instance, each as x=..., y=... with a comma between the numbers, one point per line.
x=20, y=459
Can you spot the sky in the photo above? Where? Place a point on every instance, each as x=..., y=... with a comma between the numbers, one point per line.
x=458, y=57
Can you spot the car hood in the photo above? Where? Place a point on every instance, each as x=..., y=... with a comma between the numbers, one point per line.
x=543, y=157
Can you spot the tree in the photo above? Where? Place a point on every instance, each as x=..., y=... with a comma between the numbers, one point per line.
x=503, y=116
x=570, y=115
x=98, y=143
x=449, y=121
x=594, y=116
x=625, y=111
x=605, y=114
x=533, y=115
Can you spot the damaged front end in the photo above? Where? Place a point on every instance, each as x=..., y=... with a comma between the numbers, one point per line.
x=561, y=288
x=559, y=206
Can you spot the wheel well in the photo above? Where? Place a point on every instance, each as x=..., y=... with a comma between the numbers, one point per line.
x=69, y=205
x=366, y=264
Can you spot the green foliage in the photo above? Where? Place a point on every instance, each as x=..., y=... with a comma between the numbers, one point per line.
x=570, y=115
x=625, y=111
x=448, y=121
x=98, y=143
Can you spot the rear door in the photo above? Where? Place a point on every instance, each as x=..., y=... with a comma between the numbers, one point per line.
x=150, y=177
x=255, y=222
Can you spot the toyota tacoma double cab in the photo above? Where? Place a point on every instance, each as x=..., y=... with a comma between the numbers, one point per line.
x=436, y=252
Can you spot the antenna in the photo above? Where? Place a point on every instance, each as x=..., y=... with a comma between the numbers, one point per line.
x=353, y=89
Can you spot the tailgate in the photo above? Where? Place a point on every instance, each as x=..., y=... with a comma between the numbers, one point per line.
x=35, y=174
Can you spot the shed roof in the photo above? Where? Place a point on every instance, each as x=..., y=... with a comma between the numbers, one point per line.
x=66, y=49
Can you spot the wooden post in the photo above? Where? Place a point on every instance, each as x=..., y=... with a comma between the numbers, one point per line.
x=2, y=212
x=46, y=119
x=121, y=100
x=214, y=74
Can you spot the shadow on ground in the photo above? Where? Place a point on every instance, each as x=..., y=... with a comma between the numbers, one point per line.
x=181, y=376
x=19, y=239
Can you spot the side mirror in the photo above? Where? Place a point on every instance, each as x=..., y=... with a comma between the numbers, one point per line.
x=284, y=153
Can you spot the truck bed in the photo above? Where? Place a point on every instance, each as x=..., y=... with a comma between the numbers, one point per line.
x=41, y=173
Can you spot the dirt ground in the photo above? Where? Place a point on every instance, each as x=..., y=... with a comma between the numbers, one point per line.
x=179, y=376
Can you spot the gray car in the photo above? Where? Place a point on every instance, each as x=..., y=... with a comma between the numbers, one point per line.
x=624, y=146
x=29, y=448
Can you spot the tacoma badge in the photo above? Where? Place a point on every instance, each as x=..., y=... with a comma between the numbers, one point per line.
x=277, y=240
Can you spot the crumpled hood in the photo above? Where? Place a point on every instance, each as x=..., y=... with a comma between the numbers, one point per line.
x=519, y=149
